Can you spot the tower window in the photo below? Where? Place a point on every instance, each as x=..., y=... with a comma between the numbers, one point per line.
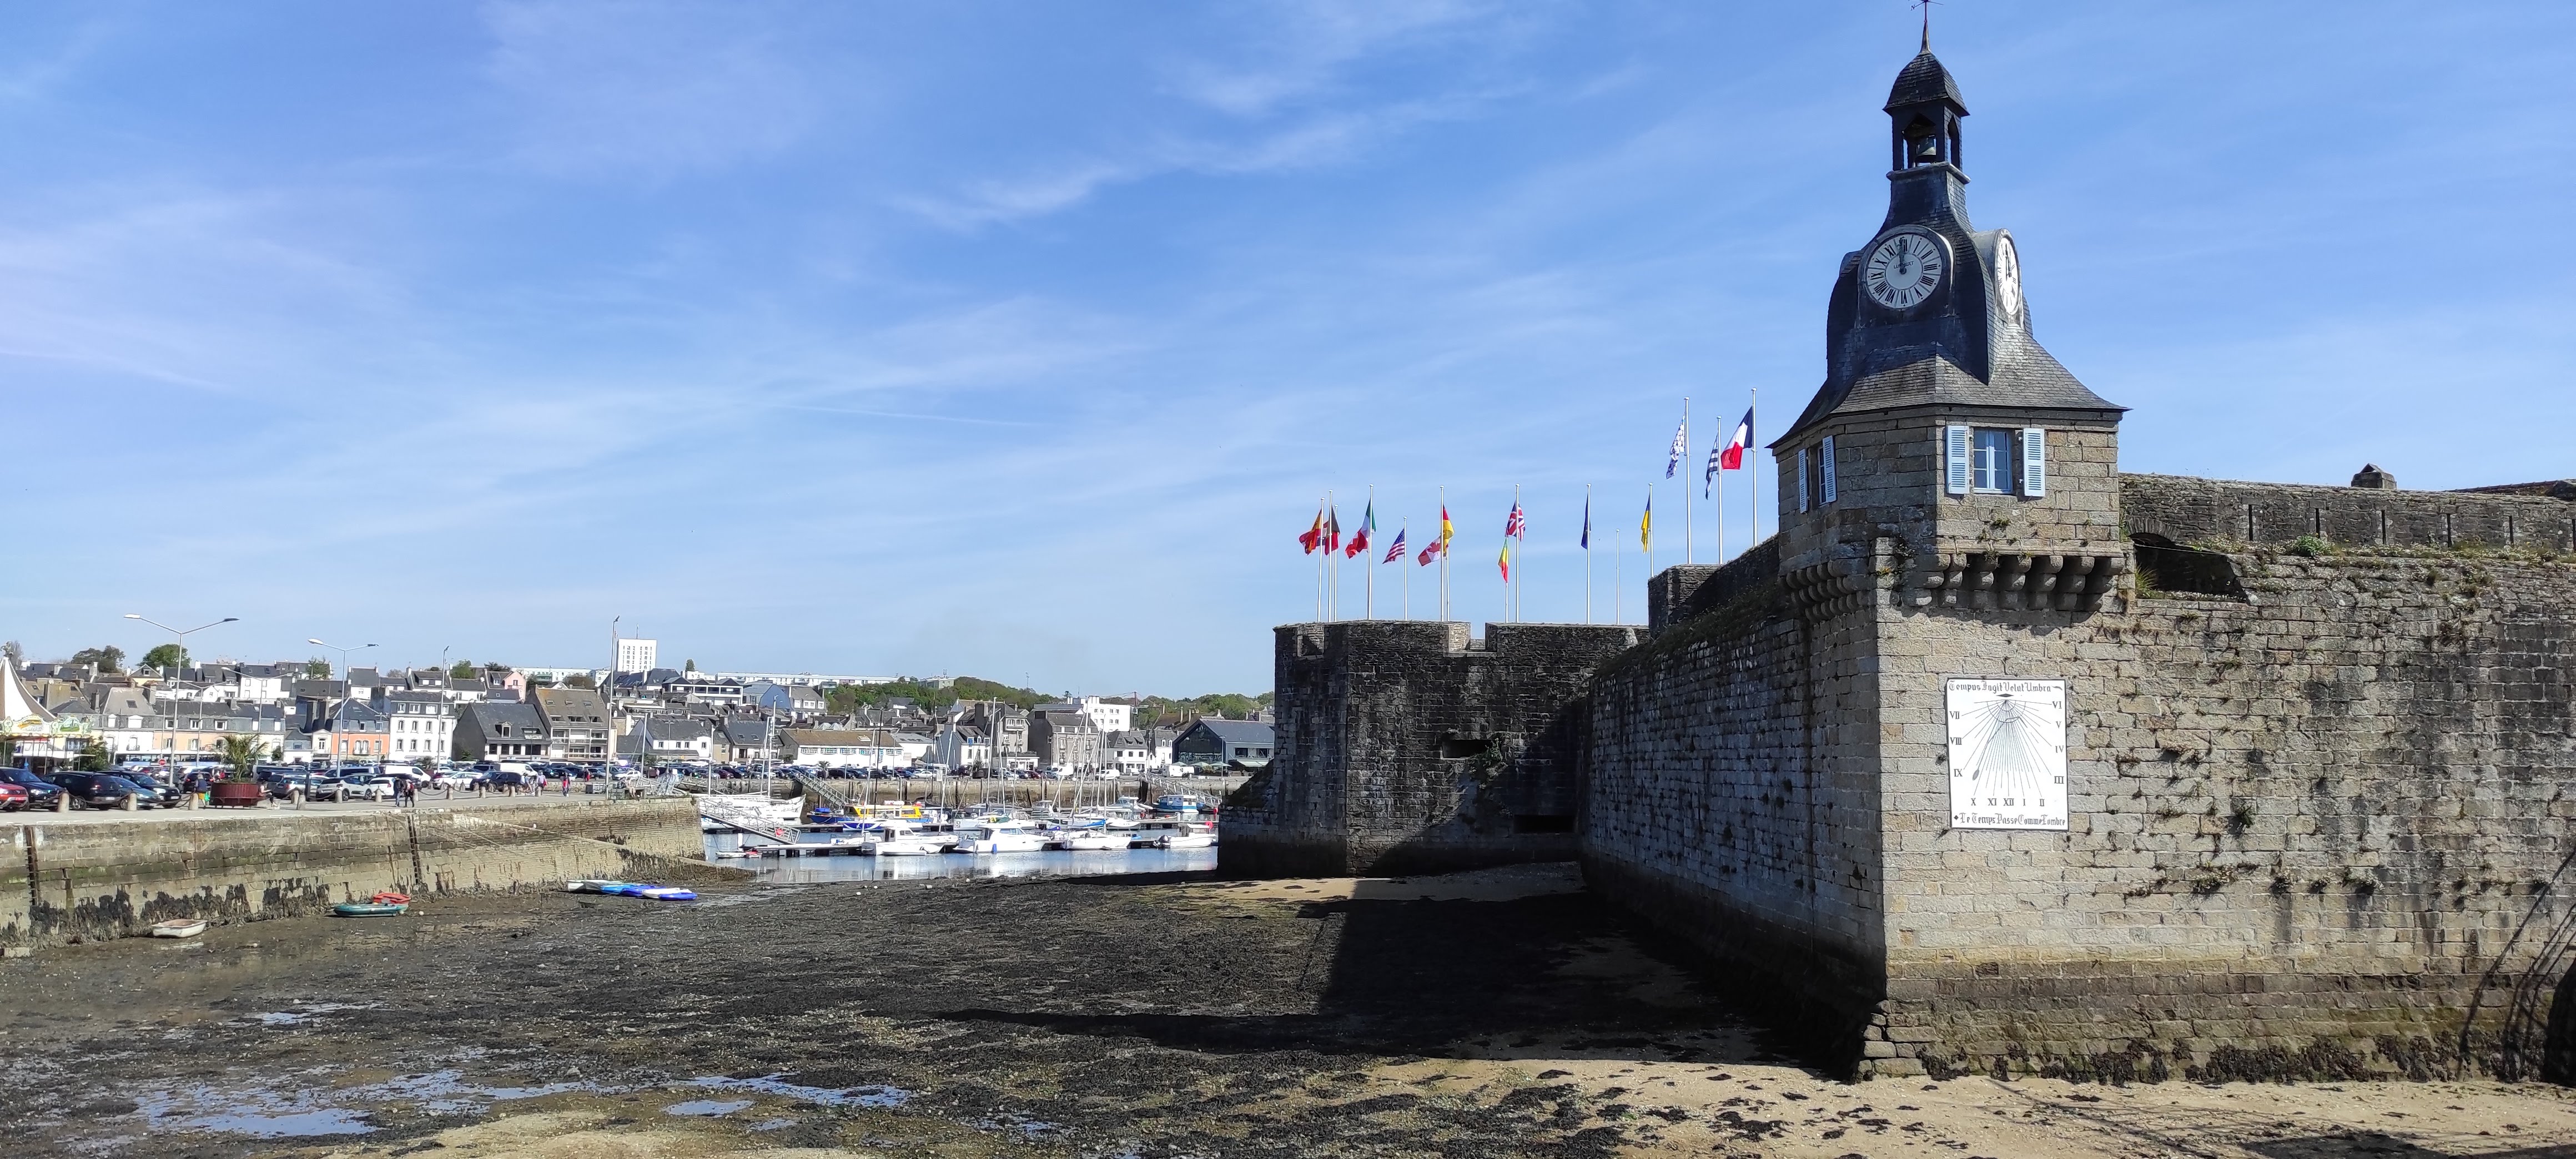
x=1990, y=460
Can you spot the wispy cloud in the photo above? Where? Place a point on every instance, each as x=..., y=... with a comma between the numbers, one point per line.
x=644, y=87
x=1286, y=99
x=1292, y=53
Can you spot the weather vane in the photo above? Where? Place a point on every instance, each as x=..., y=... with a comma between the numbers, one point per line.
x=1926, y=6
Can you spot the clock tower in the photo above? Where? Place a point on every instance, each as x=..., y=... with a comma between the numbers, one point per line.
x=1947, y=455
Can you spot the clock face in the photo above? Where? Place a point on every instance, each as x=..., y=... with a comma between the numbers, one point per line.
x=1902, y=271
x=2007, y=277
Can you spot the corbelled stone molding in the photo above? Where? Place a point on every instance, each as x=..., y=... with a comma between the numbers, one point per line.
x=2023, y=581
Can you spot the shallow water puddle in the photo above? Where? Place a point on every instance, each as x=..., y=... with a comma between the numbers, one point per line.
x=707, y=1107
x=819, y=1096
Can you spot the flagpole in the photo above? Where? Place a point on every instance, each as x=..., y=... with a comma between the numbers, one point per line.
x=1688, y=554
x=1443, y=533
x=1516, y=572
x=1319, y=569
x=1408, y=573
x=1332, y=547
x=1752, y=478
x=1618, y=579
x=1721, y=508
x=1368, y=602
x=1587, y=554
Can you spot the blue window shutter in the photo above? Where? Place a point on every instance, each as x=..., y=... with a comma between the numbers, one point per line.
x=1826, y=453
x=2034, y=462
x=1954, y=452
x=1802, y=480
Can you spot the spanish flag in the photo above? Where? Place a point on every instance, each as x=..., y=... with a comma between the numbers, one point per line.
x=1447, y=532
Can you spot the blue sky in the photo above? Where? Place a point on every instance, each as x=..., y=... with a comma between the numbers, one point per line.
x=1019, y=339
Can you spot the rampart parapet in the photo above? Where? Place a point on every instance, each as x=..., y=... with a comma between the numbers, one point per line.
x=1411, y=746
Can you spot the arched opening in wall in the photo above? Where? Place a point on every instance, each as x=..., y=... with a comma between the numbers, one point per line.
x=2168, y=567
x=1458, y=748
x=2558, y=1043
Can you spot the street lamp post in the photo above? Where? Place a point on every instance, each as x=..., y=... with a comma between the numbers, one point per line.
x=338, y=711
x=344, y=653
x=170, y=677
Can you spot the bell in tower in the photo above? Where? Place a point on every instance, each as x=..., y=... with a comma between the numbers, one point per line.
x=1946, y=444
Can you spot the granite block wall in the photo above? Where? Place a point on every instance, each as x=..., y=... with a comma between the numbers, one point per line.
x=1729, y=798
x=2187, y=510
x=1407, y=746
x=2320, y=830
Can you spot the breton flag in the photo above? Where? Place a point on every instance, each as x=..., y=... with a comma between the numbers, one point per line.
x=1516, y=524
x=1395, y=550
x=1314, y=536
x=1359, y=541
x=1731, y=456
x=1681, y=447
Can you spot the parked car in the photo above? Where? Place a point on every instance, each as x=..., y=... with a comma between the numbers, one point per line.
x=99, y=790
x=366, y=787
x=505, y=779
x=315, y=786
x=158, y=791
x=13, y=797
x=41, y=793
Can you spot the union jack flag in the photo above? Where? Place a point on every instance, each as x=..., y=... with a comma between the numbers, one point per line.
x=1517, y=525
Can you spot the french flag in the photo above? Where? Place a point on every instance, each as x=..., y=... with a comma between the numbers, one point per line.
x=1731, y=457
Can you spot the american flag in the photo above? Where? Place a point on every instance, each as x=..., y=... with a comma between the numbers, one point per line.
x=1395, y=550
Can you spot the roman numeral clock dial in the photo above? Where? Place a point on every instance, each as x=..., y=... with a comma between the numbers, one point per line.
x=1902, y=271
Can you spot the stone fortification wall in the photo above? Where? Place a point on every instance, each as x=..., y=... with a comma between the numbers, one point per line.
x=1728, y=797
x=1406, y=746
x=2323, y=830
x=113, y=879
x=2187, y=510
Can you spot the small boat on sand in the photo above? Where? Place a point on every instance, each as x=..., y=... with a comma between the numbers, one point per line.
x=649, y=892
x=384, y=904
x=179, y=928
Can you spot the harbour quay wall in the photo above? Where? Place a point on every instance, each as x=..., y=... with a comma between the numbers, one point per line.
x=94, y=879
x=1408, y=746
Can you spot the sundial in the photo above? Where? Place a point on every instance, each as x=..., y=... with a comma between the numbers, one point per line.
x=2007, y=753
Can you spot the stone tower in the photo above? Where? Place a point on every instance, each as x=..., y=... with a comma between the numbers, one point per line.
x=1946, y=453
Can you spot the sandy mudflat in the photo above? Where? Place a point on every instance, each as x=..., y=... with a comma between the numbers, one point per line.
x=1483, y=1015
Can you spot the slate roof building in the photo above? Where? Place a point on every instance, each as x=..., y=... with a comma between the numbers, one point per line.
x=1065, y=739
x=1212, y=742
x=576, y=724
x=499, y=730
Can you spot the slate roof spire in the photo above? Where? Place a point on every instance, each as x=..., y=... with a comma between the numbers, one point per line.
x=1968, y=342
